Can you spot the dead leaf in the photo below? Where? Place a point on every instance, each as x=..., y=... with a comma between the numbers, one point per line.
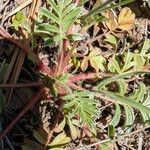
x=84, y=64
x=126, y=19
x=111, y=22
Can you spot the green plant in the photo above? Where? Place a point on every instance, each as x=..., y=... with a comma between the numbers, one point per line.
x=61, y=17
x=78, y=104
x=63, y=14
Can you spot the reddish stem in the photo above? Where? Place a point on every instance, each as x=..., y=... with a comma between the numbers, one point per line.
x=86, y=76
x=7, y=36
x=41, y=65
x=80, y=77
x=29, y=106
x=61, y=57
x=75, y=87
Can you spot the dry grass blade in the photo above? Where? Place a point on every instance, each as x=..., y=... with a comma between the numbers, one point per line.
x=23, y=5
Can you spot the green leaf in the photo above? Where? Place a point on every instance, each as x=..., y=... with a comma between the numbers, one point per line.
x=127, y=101
x=49, y=15
x=129, y=116
x=113, y=66
x=75, y=37
x=39, y=137
x=20, y=16
x=105, y=6
x=62, y=15
x=122, y=86
x=128, y=63
x=141, y=92
x=97, y=62
x=111, y=131
x=59, y=140
x=53, y=5
x=146, y=46
x=139, y=60
x=146, y=102
x=48, y=27
x=60, y=126
x=116, y=118
x=123, y=75
x=111, y=39
x=82, y=103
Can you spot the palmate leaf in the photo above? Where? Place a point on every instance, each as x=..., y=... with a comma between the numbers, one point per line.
x=61, y=16
x=82, y=103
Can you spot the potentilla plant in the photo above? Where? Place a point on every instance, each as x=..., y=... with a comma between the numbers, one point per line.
x=64, y=24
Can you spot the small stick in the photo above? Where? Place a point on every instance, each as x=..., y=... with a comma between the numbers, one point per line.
x=20, y=85
x=29, y=106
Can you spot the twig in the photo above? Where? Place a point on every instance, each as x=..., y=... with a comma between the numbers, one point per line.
x=40, y=64
x=23, y=5
x=50, y=134
x=85, y=76
x=31, y=84
x=29, y=106
x=107, y=140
